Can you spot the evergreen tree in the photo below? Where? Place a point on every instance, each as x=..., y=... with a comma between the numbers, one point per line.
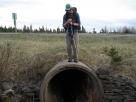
x=54, y=31
x=58, y=30
x=83, y=30
x=50, y=31
x=102, y=31
x=24, y=28
x=62, y=31
x=94, y=32
x=31, y=28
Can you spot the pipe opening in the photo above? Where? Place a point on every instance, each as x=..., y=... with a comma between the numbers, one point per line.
x=71, y=85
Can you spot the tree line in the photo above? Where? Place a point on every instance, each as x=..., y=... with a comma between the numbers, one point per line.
x=104, y=30
x=119, y=30
x=29, y=29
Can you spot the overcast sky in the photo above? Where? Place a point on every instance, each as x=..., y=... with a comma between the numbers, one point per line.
x=49, y=13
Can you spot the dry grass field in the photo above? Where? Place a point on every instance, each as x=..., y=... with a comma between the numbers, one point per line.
x=29, y=56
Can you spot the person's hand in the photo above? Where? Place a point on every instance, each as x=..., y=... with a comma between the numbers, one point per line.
x=73, y=24
x=69, y=21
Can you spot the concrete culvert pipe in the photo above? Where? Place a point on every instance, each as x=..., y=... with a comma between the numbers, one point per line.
x=71, y=82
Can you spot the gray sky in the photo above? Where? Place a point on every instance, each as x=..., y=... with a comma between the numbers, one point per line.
x=49, y=13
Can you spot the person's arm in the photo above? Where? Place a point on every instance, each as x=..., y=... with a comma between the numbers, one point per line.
x=64, y=21
x=67, y=22
x=78, y=20
x=75, y=24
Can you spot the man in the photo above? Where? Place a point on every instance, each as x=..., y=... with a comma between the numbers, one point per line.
x=71, y=23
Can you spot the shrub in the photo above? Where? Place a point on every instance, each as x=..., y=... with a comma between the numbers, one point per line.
x=113, y=53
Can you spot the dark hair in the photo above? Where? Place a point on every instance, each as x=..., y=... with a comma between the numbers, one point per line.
x=74, y=9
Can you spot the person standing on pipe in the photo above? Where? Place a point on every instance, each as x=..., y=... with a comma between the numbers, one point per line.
x=71, y=23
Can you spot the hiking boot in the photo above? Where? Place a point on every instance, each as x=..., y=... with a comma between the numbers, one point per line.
x=76, y=60
x=69, y=60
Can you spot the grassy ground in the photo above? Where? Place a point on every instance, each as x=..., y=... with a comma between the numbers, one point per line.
x=29, y=56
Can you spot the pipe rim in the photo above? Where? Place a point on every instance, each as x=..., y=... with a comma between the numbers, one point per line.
x=63, y=66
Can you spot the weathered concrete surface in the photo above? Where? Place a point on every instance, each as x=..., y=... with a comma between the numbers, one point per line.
x=74, y=82
x=116, y=88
